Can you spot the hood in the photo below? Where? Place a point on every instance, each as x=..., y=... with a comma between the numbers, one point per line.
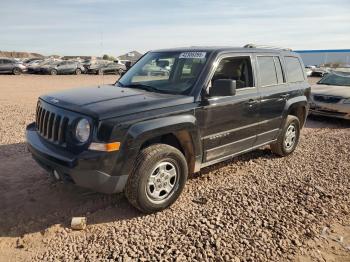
x=111, y=101
x=343, y=91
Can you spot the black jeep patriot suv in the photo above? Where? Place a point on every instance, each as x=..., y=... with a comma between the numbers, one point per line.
x=172, y=113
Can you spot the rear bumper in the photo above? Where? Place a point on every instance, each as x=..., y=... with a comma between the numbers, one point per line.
x=86, y=169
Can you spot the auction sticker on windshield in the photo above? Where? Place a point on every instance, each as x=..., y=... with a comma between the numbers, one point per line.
x=192, y=55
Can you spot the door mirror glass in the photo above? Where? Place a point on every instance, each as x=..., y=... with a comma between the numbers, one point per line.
x=223, y=87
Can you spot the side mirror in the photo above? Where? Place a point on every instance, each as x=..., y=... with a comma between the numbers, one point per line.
x=223, y=87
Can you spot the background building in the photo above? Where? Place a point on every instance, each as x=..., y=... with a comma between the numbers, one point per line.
x=319, y=57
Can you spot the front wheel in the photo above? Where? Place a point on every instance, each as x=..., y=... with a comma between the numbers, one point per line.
x=158, y=178
x=288, y=139
x=78, y=71
x=16, y=71
x=53, y=72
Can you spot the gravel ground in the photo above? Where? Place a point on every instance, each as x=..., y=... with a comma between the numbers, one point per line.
x=257, y=207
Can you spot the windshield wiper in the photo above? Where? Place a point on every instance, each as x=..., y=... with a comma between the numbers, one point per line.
x=145, y=87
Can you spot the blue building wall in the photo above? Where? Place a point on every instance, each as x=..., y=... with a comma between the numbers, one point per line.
x=317, y=57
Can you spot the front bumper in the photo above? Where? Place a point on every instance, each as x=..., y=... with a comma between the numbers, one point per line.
x=85, y=169
x=332, y=110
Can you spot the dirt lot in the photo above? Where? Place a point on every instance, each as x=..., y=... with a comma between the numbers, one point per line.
x=256, y=207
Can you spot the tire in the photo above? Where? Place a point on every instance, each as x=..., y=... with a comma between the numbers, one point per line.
x=147, y=175
x=77, y=71
x=286, y=145
x=99, y=72
x=16, y=71
x=53, y=72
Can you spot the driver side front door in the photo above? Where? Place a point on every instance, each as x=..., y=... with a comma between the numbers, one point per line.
x=229, y=125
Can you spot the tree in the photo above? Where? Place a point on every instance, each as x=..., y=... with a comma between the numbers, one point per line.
x=108, y=57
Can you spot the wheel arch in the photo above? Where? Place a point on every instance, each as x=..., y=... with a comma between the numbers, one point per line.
x=298, y=107
x=177, y=131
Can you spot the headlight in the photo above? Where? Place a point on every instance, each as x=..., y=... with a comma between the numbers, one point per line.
x=82, y=130
x=347, y=101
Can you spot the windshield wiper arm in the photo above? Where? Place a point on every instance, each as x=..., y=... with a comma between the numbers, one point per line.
x=144, y=87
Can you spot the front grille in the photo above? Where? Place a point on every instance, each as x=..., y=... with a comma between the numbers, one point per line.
x=51, y=125
x=327, y=99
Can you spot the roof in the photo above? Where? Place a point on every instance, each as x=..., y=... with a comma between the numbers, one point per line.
x=221, y=49
x=324, y=51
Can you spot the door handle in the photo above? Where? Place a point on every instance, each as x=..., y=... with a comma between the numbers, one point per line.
x=252, y=102
x=285, y=96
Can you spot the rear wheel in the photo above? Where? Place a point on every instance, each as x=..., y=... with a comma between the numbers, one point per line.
x=53, y=72
x=78, y=71
x=288, y=139
x=16, y=71
x=158, y=178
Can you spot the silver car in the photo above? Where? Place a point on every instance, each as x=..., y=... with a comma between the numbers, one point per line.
x=331, y=96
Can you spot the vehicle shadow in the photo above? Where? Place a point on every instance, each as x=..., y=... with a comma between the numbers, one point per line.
x=32, y=201
x=314, y=121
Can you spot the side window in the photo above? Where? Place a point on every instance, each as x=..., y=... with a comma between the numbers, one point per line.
x=235, y=68
x=294, y=69
x=267, y=71
x=279, y=71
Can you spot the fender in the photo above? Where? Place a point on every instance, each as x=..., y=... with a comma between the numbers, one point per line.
x=140, y=132
x=292, y=103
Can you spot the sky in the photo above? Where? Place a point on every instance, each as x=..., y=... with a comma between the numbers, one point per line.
x=114, y=27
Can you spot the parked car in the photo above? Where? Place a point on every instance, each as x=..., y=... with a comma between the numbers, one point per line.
x=308, y=71
x=146, y=134
x=155, y=70
x=62, y=67
x=109, y=68
x=27, y=61
x=34, y=65
x=318, y=71
x=11, y=66
x=331, y=96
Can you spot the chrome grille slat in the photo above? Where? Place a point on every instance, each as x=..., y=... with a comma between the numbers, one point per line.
x=51, y=125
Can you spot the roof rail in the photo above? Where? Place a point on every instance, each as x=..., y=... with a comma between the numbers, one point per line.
x=266, y=47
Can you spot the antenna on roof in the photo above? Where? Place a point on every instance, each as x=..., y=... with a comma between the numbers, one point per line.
x=266, y=47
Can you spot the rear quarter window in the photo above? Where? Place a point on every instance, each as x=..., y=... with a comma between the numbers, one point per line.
x=294, y=69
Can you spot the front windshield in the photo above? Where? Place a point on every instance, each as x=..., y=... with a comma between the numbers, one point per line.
x=335, y=79
x=167, y=72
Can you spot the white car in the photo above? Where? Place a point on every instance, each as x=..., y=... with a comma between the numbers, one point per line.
x=331, y=96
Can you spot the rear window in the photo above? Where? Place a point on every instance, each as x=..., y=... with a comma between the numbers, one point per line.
x=294, y=69
x=267, y=71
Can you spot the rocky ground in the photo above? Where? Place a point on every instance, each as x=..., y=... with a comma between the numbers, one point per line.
x=257, y=207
